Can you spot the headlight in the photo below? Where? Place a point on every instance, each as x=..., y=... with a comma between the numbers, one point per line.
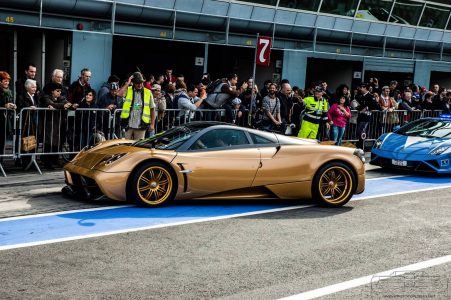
x=439, y=150
x=110, y=159
x=377, y=144
x=360, y=154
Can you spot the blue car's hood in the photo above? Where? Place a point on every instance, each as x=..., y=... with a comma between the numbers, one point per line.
x=412, y=144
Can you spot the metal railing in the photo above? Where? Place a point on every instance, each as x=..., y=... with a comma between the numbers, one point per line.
x=60, y=132
x=170, y=118
x=383, y=121
x=7, y=135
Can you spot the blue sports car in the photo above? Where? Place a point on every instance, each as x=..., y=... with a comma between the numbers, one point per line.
x=423, y=145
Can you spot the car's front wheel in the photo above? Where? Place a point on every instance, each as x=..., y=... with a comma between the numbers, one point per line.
x=333, y=184
x=153, y=184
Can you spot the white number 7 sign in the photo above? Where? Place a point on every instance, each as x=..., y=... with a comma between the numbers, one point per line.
x=263, y=50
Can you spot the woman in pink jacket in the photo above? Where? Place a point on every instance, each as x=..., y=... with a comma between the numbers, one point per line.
x=339, y=115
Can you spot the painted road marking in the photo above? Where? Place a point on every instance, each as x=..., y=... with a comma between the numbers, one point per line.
x=81, y=225
x=64, y=226
x=65, y=212
x=396, y=185
x=335, y=288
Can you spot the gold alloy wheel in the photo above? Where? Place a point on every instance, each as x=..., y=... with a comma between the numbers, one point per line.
x=154, y=185
x=335, y=185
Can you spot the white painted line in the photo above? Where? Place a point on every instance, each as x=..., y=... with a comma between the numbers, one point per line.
x=64, y=212
x=172, y=224
x=335, y=288
x=388, y=177
x=122, y=206
x=400, y=193
x=200, y=220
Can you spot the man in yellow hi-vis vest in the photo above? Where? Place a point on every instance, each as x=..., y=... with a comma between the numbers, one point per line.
x=138, y=110
x=315, y=114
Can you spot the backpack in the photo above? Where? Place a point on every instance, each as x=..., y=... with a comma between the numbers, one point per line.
x=211, y=87
x=215, y=98
x=175, y=102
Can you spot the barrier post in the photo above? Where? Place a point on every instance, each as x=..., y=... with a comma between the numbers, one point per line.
x=7, y=130
x=31, y=122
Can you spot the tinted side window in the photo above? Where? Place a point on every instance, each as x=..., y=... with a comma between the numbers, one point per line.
x=220, y=138
x=257, y=139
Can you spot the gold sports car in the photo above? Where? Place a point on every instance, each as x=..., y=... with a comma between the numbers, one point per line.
x=216, y=161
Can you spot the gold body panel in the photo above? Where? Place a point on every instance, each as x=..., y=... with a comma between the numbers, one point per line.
x=112, y=179
x=285, y=172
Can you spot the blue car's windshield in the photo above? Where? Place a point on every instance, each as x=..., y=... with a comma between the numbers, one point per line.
x=430, y=128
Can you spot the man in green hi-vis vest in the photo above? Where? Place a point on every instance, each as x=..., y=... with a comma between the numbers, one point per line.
x=138, y=110
x=315, y=114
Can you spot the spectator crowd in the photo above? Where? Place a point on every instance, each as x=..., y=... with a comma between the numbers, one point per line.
x=149, y=103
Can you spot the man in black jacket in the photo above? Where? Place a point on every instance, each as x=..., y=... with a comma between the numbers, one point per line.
x=30, y=73
x=367, y=103
x=286, y=102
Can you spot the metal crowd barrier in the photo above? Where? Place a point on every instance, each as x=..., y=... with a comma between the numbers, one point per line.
x=7, y=135
x=60, y=132
x=381, y=122
x=171, y=118
x=175, y=117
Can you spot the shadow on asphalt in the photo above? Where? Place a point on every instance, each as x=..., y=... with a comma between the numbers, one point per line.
x=197, y=202
x=211, y=208
x=313, y=212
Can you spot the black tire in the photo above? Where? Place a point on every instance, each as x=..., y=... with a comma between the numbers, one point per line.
x=334, y=184
x=67, y=191
x=153, y=184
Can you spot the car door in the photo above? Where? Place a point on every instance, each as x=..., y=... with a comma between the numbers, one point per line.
x=221, y=159
x=279, y=163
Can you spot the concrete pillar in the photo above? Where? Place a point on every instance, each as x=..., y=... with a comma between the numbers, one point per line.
x=422, y=73
x=294, y=67
x=92, y=51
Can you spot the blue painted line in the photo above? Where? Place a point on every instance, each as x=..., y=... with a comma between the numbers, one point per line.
x=59, y=226
x=38, y=229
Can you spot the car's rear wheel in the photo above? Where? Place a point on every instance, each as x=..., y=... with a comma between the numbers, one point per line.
x=153, y=184
x=333, y=184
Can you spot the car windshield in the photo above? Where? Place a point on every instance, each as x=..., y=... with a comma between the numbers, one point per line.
x=173, y=138
x=428, y=128
x=380, y=13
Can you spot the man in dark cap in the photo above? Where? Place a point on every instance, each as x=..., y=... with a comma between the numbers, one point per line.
x=54, y=122
x=111, y=102
x=138, y=110
x=367, y=103
x=316, y=108
x=105, y=88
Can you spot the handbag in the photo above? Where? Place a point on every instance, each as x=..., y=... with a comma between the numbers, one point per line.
x=260, y=121
x=393, y=118
x=289, y=129
x=28, y=142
